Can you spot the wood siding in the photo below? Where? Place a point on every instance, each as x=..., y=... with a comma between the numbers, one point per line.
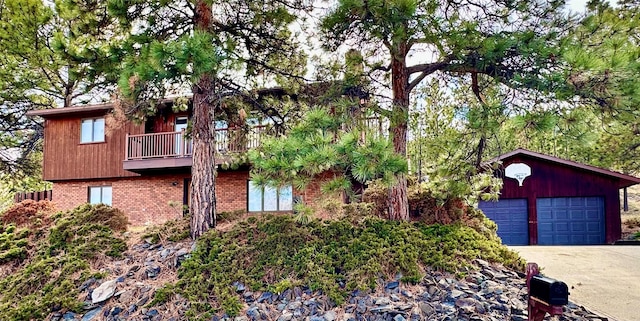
x=163, y=122
x=65, y=158
x=556, y=180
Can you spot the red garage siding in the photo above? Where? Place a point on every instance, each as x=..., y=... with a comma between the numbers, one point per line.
x=553, y=177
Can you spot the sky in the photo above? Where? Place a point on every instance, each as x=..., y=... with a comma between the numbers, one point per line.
x=577, y=5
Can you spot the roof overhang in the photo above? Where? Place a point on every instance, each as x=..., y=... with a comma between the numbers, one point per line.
x=85, y=110
x=624, y=180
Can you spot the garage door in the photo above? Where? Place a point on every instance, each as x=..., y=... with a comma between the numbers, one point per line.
x=511, y=217
x=570, y=220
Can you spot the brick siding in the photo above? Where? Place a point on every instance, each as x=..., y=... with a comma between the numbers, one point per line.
x=231, y=190
x=145, y=199
x=312, y=192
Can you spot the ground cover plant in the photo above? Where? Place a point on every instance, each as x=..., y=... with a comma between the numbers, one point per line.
x=274, y=253
x=47, y=263
x=172, y=230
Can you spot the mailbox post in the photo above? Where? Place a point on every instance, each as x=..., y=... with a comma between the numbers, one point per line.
x=546, y=295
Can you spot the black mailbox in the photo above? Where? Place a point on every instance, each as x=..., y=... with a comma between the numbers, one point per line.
x=548, y=290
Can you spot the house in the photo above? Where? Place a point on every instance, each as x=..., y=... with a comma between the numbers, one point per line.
x=145, y=169
x=546, y=200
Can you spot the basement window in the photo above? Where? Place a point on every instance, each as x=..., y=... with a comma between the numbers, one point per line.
x=269, y=199
x=100, y=195
x=92, y=130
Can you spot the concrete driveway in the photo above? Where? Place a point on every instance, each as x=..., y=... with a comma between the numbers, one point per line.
x=604, y=279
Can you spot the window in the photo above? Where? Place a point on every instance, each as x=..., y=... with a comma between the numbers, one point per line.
x=181, y=125
x=269, y=199
x=222, y=135
x=100, y=195
x=92, y=130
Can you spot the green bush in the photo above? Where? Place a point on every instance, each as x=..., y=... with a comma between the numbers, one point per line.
x=61, y=261
x=275, y=252
x=229, y=215
x=14, y=244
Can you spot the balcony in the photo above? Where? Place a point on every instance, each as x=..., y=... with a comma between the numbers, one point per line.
x=174, y=150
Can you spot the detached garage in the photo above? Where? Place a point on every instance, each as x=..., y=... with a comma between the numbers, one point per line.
x=546, y=200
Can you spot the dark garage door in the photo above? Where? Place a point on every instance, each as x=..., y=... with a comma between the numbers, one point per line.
x=570, y=220
x=511, y=217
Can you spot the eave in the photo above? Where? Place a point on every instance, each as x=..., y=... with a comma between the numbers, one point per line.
x=624, y=180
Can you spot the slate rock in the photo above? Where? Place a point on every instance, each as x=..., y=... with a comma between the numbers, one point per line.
x=392, y=285
x=329, y=316
x=57, y=316
x=381, y=309
x=294, y=305
x=426, y=308
x=116, y=310
x=91, y=314
x=239, y=287
x=287, y=316
x=253, y=313
x=86, y=284
x=455, y=294
x=142, y=301
x=500, y=307
x=297, y=292
x=164, y=253
x=153, y=271
x=467, y=305
x=152, y=312
x=265, y=296
x=248, y=296
x=383, y=301
x=103, y=292
x=399, y=317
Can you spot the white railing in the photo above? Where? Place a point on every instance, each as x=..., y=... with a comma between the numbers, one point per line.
x=176, y=144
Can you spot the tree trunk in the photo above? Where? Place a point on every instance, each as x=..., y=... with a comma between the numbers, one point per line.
x=398, y=202
x=203, y=170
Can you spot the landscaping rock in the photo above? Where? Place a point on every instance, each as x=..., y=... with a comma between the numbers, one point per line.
x=330, y=316
x=105, y=291
x=91, y=314
x=490, y=293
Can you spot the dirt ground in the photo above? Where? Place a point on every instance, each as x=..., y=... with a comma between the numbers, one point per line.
x=602, y=278
x=633, y=214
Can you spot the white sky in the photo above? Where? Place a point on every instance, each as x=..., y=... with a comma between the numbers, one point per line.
x=577, y=5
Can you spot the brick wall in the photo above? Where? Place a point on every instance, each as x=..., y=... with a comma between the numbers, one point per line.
x=146, y=199
x=231, y=190
x=313, y=193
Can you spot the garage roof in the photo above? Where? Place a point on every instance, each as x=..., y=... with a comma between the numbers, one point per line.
x=623, y=179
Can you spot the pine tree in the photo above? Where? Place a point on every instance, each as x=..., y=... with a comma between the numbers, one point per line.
x=210, y=48
x=326, y=142
x=515, y=43
x=53, y=54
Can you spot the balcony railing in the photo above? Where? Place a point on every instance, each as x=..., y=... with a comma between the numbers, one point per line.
x=176, y=144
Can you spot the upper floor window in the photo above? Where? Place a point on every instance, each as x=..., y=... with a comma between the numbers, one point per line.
x=100, y=195
x=268, y=199
x=92, y=130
